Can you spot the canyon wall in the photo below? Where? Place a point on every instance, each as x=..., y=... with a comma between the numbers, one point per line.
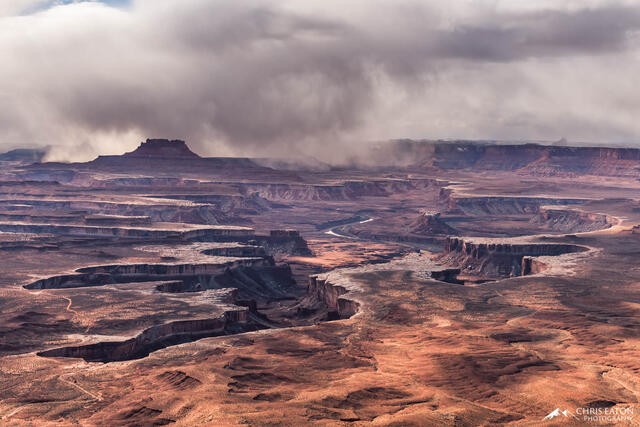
x=507, y=205
x=494, y=259
x=331, y=295
x=288, y=242
x=348, y=190
x=80, y=230
x=155, y=338
x=572, y=221
x=532, y=265
x=532, y=159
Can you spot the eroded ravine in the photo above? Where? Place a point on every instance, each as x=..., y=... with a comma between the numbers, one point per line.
x=250, y=270
x=233, y=278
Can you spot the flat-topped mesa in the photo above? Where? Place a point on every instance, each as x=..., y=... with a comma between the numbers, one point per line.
x=163, y=148
x=536, y=159
x=163, y=158
x=494, y=259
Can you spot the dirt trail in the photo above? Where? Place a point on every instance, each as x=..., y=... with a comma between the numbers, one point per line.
x=79, y=387
x=69, y=309
x=82, y=319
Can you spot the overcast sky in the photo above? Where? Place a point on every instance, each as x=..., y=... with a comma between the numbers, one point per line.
x=319, y=77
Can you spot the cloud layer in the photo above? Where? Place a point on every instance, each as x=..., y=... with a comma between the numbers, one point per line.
x=294, y=77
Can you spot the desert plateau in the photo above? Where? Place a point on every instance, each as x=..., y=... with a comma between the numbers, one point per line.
x=483, y=284
x=292, y=213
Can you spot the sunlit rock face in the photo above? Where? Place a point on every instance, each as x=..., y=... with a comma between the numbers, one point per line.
x=496, y=258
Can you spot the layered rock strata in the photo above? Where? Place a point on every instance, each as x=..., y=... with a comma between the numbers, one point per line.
x=494, y=259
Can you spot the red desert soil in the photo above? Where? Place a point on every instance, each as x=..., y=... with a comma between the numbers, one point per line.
x=485, y=286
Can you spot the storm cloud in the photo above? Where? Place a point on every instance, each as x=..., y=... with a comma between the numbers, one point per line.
x=319, y=78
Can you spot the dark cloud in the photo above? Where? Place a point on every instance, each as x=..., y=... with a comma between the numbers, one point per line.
x=514, y=36
x=278, y=77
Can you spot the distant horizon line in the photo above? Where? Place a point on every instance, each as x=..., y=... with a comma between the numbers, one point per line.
x=563, y=142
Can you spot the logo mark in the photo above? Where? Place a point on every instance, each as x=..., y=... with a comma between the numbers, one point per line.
x=557, y=412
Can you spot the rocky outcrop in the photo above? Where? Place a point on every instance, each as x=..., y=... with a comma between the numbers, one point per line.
x=331, y=295
x=496, y=205
x=237, y=251
x=178, y=269
x=128, y=273
x=40, y=217
x=429, y=223
x=348, y=190
x=563, y=219
x=280, y=192
x=140, y=181
x=267, y=283
x=532, y=265
x=571, y=221
x=212, y=232
x=228, y=205
x=449, y=275
x=72, y=281
x=157, y=337
x=254, y=278
x=424, y=240
x=288, y=242
x=494, y=259
x=157, y=211
x=117, y=220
